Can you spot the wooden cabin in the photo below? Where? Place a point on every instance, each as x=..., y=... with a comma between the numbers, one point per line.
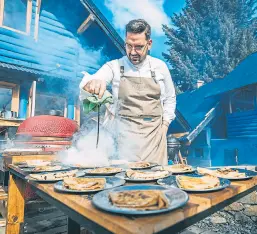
x=45, y=45
x=219, y=127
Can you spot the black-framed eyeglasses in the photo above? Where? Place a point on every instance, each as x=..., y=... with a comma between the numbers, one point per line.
x=137, y=48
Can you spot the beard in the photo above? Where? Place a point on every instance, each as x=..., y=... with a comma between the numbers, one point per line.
x=136, y=58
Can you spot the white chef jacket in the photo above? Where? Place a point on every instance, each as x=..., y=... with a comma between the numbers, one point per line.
x=110, y=72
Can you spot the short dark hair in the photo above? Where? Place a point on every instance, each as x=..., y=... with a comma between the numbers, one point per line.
x=139, y=26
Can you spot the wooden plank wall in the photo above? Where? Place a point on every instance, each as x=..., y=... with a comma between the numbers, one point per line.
x=56, y=47
x=242, y=124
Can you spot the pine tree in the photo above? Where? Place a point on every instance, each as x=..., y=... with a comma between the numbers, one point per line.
x=209, y=38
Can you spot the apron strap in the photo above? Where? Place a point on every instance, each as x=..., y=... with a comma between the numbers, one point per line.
x=121, y=71
x=153, y=75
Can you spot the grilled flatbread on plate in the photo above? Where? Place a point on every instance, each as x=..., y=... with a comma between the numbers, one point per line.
x=176, y=168
x=139, y=199
x=86, y=184
x=146, y=174
x=139, y=165
x=53, y=176
x=222, y=172
x=34, y=163
x=47, y=168
x=102, y=170
x=197, y=183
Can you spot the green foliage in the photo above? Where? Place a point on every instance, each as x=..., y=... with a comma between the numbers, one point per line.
x=209, y=38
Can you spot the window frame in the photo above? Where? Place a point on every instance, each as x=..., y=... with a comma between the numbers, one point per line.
x=233, y=96
x=52, y=95
x=15, y=94
x=28, y=18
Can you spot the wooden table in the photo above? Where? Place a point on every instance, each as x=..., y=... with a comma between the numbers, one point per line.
x=12, y=122
x=80, y=210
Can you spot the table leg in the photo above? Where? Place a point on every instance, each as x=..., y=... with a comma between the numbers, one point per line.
x=73, y=227
x=15, y=205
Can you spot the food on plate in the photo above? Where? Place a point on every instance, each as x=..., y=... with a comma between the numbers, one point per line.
x=47, y=168
x=176, y=168
x=139, y=199
x=198, y=183
x=34, y=163
x=53, y=176
x=138, y=165
x=146, y=174
x=222, y=172
x=81, y=165
x=84, y=184
x=102, y=170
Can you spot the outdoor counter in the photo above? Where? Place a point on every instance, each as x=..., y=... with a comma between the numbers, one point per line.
x=80, y=210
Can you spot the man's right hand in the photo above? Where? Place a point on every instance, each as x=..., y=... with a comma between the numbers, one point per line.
x=96, y=86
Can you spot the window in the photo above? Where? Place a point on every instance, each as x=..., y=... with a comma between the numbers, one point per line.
x=16, y=15
x=5, y=100
x=243, y=100
x=47, y=104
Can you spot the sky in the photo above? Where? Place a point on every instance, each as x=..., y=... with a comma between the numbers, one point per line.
x=155, y=12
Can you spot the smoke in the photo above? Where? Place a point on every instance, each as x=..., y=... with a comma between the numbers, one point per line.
x=114, y=143
x=84, y=151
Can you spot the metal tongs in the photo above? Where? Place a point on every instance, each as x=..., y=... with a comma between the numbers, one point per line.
x=98, y=125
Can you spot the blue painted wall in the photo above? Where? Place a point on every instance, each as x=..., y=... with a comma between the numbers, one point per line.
x=223, y=151
x=242, y=124
x=59, y=49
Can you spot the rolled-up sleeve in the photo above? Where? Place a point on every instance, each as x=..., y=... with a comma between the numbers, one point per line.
x=104, y=73
x=169, y=101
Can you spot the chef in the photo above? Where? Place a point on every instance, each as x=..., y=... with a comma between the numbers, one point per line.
x=144, y=93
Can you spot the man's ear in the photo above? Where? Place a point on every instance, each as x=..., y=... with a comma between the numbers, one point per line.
x=150, y=44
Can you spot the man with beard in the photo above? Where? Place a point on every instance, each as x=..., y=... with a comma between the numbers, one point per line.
x=143, y=88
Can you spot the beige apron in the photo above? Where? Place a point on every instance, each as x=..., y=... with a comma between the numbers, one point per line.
x=140, y=119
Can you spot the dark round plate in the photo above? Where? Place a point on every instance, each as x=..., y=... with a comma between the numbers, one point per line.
x=111, y=182
x=142, y=168
x=123, y=175
x=172, y=182
x=30, y=170
x=78, y=174
x=193, y=169
x=176, y=197
x=249, y=174
x=87, y=171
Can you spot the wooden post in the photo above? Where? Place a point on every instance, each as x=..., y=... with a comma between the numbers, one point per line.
x=15, y=205
x=88, y=21
x=33, y=98
x=73, y=227
x=29, y=16
x=77, y=112
x=230, y=104
x=1, y=12
x=38, y=8
x=15, y=99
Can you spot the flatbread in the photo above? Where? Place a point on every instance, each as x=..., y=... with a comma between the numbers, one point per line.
x=84, y=184
x=54, y=176
x=222, y=172
x=198, y=183
x=34, y=163
x=146, y=174
x=139, y=165
x=47, y=168
x=176, y=168
x=102, y=170
x=139, y=199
